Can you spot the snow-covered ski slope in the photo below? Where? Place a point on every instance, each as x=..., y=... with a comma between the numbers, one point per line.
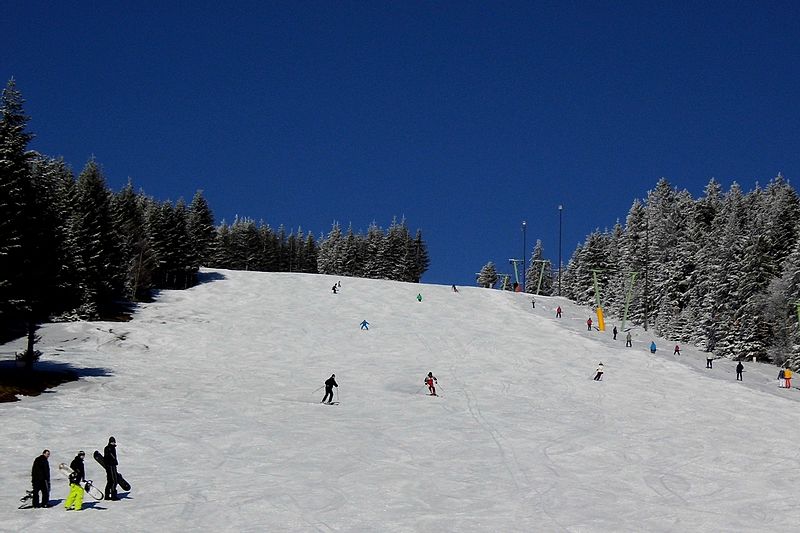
x=210, y=393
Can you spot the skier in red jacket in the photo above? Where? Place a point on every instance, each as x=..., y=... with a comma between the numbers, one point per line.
x=431, y=382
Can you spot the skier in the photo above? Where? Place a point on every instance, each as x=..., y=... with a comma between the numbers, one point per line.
x=431, y=382
x=677, y=350
x=653, y=347
x=709, y=361
x=599, y=375
x=365, y=325
x=787, y=376
x=419, y=297
x=614, y=331
x=334, y=288
x=533, y=302
x=110, y=460
x=781, y=379
x=558, y=312
x=739, y=370
x=40, y=479
x=589, y=324
x=75, y=499
x=330, y=383
x=339, y=284
x=628, y=340
x=454, y=289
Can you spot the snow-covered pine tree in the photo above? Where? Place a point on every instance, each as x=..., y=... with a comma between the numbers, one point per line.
x=487, y=277
x=203, y=234
x=99, y=245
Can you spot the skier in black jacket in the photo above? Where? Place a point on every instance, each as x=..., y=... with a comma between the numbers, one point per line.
x=330, y=383
x=110, y=460
x=40, y=479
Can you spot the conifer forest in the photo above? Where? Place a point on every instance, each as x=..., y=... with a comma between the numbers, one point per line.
x=721, y=272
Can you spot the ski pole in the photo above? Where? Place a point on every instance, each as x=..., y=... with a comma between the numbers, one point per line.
x=318, y=388
x=419, y=389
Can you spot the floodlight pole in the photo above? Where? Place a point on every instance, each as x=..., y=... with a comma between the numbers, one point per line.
x=560, y=209
x=524, y=248
x=628, y=300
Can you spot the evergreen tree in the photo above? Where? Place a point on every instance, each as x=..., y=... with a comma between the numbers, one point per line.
x=102, y=270
x=488, y=276
x=202, y=233
x=539, y=276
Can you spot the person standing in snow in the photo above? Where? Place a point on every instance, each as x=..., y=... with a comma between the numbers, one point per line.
x=334, y=288
x=110, y=460
x=628, y=340
x=589, y=324
x=599, y=375
x=677, y=350
x=330, y=383
x=787, y=377
x=739, y=370
x=431, y=382
x=533, y=302
x=365, y=325
x=781, y=379
x=419, y=297
x=75, y=499
x=558, y=312
x=653, y=347
x=40, y=479
x=709, y=361
x=614, y=331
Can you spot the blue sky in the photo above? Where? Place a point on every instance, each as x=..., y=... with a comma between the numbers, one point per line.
x=465, y=117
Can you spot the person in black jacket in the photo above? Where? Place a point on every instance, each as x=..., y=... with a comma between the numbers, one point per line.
x=110, y=460
x=330, y=383
x=40, y=479
x=78, y=475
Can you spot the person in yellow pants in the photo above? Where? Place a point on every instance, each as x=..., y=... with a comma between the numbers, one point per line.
x=75, y=498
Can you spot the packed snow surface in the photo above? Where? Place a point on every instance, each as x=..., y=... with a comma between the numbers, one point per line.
x=212, y=395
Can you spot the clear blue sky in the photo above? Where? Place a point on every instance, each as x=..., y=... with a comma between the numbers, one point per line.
x=465, y=117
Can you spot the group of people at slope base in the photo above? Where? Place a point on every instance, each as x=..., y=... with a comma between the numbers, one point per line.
x=40, y=478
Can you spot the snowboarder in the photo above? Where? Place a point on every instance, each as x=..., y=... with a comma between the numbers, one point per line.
x=653, y=347
x=781, y=379
x=677, y=350
x=599, y=375
x=330, y=383
x=787, y=376
x=614, y=331
x=558, y=312
x=431, y=382
x=533, y=302
x=709, y=361
x=110, y=460
x=334, y=288
x=40, y=479
x=628, y=340
x=75, y=499
x=419, y=297
x=365, y=325
x=589, y=324
x=739, y=370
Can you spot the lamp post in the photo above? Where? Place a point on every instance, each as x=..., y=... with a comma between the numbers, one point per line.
x=560, y=209
x=524, y=247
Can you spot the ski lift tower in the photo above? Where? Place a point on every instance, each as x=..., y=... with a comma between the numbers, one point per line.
x=515, y=262
x=797, y=304
x=541, y=273
x=629, y=293
x=601, y=322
